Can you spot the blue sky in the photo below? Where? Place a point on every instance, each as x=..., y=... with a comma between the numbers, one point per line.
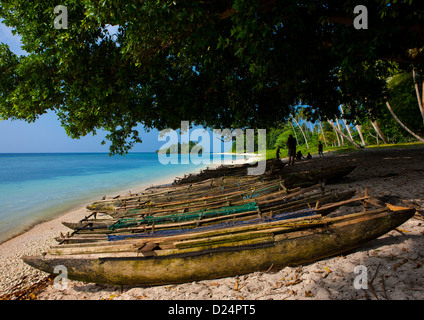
x=47, y=135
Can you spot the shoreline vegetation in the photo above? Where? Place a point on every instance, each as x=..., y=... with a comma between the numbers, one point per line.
x=181, y=148
x=270, y=154
x=385, y=170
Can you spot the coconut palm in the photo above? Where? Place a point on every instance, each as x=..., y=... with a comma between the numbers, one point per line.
x=341, y=133
x=323, y=134
x=359, y=129
x=396, y=80
x=417, y=91
x=345, y=123
x=303, y=133
x=419, y=138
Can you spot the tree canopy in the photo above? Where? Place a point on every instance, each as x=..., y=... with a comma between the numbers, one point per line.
x=220, y=63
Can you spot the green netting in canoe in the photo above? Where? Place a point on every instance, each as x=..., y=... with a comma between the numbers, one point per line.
x=181, y=217
x=248, y=195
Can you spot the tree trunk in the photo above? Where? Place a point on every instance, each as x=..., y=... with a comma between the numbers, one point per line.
x=337, y=135
x=345, y=123
x=347, y=128
x=401, y=123
x=323, y=134
x=376, y=137
x=295, y=135
x=358, y=146
x=359, y=129
x=417, y=90
x=340, y=130
x=306, y=140
x=379, y=132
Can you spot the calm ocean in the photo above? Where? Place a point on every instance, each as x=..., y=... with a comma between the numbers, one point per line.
x=37, y=187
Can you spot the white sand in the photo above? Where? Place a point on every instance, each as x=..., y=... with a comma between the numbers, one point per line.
x=394, y=262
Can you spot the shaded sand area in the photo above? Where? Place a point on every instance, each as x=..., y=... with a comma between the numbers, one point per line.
x=390, y=267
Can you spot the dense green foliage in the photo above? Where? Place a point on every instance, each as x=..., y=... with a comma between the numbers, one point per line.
x=177, y=148
x=220, y=64
x=402, y=97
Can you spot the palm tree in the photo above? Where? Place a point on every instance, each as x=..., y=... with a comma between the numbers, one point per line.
x=345, y=123
x=340, y=130
x=417, y=91
x=378, y=131
x=335, y=133
x=295, y=134
x=375, y=137
x=323, y=134
x=304, y=136
x=395, y=81
x=401, y=123
x=359, y=129
x=344, y=135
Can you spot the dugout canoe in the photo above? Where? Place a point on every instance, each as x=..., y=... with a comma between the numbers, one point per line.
x=199, y=190
x=323, y=208
x=216, y=255
x=238, y=170
x=200, y=217
x=210, y=192
x=311, y=177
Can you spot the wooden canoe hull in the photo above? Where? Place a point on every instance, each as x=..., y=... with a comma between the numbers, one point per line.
x=311, y=177
x=336, y=236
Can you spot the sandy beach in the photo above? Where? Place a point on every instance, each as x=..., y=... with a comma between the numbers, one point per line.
x=392, y=264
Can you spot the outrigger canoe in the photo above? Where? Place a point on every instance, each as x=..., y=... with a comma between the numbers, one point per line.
x=210, y=191
x=201, y=217
x=219, y=253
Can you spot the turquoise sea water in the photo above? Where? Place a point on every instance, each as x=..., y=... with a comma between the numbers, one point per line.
x=37, y=187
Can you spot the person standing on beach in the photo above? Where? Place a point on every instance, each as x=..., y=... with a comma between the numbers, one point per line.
x=278, y=153
x=320, y=148
x=291, y=145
